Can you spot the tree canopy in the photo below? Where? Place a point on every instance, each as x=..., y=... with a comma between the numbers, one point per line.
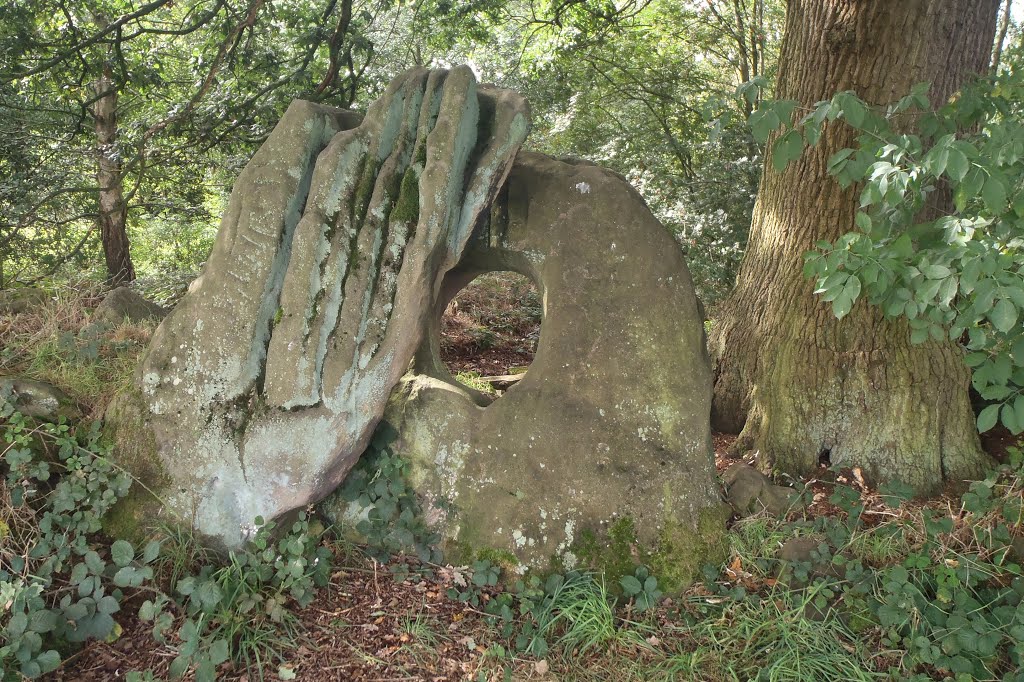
x=198, y=86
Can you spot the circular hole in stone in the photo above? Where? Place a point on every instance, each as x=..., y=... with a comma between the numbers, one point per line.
x=490, y=330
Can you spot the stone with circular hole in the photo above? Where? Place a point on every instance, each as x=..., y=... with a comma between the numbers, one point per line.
x=609, y=429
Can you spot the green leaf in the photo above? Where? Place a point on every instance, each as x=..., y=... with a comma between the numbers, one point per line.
x=186, y=586
x=812, y=133
x=108, y=605
x=936, y=271
x=126, y=577
x=42, y=621
x=787, y=148
x=122, y=553
x=837, y=161
x=853, y=109
x=994, y=195
x=219, y=651
x=178, y=667
x=988, y=417
x=147, y=611
x=1018, y=408
x=762, y=123
x=852, y=288
x=947, y=290
x=94, y=563
x=48, y=661
x=842, y=305
x=151, y=552
x=937, y=159
x=208, y=594
x=784, y=109
x=957, y=165
x=205, y=672
x=631, y=585
x=1009, y=419
x=1003, y=315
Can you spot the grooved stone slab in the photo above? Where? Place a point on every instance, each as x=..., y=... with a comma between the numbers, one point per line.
x=265, y=383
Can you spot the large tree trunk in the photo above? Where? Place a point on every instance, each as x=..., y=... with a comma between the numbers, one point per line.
x=113, y=213
x=803, y=386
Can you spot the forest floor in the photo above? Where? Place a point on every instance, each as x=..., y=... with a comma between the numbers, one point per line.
x=373, y=622
x=492, y=327
x=369, y=624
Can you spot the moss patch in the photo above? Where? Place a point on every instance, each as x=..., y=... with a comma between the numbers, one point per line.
x=134, y=449
x=407, y=209
x=498, y=557
x=364, y=190
x=682, y=551
x=675, y=559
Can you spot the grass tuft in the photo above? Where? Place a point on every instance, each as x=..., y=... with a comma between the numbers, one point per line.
x=57, y=343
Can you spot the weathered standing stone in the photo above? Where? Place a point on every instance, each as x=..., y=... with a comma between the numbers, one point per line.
x=124, y=304
x=265, y=383
x=602, y=453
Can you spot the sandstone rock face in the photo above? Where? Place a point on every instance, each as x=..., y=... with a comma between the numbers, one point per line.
x=264, y=384
x=609, y=428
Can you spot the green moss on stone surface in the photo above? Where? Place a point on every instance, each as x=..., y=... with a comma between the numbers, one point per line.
x=498, y=557
x=675, y=559
x=682, y=551
x=364, y=191
x=407, y=210
x=134, y=449
x=615, y=552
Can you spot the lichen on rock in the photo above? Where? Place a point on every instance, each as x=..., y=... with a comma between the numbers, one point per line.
x=344, y=240
x=263, y=386
x=607, y=435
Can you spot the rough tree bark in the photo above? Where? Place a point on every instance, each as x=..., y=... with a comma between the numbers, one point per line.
x=112, y=216
x=801, y=385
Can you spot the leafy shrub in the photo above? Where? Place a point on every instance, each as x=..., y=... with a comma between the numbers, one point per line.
x=61, y=586
x=642, y=588
x=938, y=588
x=383, y=508
x=951, y=275
x=241, y=609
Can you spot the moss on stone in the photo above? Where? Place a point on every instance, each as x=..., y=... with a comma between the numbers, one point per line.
x=615, y=552
x=675, y=559
x=364, y=190
x=458, y=552
x=682, y=551
x=407, y=209
x=498, y=557
x=134, y=449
